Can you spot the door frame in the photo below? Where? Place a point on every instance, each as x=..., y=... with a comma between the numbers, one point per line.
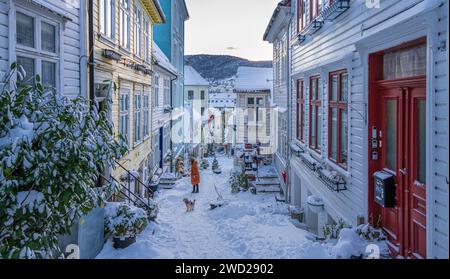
x=375, y=83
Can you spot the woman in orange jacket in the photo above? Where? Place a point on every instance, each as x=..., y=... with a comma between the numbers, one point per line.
x=195, y=176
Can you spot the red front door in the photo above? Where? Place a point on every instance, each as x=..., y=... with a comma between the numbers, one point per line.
x=399, y=120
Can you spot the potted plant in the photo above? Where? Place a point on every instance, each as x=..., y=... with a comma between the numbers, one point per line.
x=124, y=221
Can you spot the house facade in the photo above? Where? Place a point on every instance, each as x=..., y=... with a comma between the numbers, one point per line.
x=170, y=38
x=46, y=37
x=123, y=54
x=163, y=75
x=253, y=87
x=370, y=110
x=277, y=33
x=196, y=105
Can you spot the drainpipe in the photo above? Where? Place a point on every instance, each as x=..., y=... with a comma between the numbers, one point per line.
x=83, y=50
x=91, y=51
x=171, y=121
x=289, y=95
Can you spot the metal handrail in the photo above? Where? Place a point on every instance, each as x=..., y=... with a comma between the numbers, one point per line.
x=150, y=191
x=127, y=194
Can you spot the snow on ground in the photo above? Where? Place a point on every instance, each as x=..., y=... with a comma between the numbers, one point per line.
x=248, y=226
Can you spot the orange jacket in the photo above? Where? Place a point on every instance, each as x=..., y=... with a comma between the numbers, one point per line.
x=195, y=175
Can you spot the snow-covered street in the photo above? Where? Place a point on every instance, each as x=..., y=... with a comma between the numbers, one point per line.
x=249, y=226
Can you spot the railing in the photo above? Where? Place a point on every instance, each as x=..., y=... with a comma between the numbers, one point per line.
x=150, y=193
x=136, y=200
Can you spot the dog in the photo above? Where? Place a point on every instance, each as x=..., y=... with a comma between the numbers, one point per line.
x=189, y=204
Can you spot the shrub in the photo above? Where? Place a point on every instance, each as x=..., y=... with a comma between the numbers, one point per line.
x=124, y=220
x=52, y=150
x=238, y=181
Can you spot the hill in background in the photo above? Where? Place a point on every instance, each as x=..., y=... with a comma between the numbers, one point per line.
x=220, y=67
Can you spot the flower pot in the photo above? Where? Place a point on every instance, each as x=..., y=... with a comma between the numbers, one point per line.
x=123, y=242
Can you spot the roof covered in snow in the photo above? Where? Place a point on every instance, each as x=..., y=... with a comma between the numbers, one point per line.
x=162, y=60
x=192, y=77
x=253, y=79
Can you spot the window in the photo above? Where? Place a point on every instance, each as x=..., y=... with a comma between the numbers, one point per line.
x=202, y=94
x=124, y=124
x=137, y=116
x=301, y=116
x=315, y=6
x=146, y=113
x=337, y=118
x=155, y=91
x=315, y=113
x=147, y=40
x=301, y=15
x=37, y=48
x=250, y=101
x=202, y=111
x=125, y=24
x=190, y=95
x=138, y=30
x=107, y=17
x=167, y=92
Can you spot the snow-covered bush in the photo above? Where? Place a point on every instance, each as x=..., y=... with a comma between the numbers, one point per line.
x=52, y=150
x=238, y=181
x=332, y=231
x=368, y=232
x=124, y=220
x=151, y=207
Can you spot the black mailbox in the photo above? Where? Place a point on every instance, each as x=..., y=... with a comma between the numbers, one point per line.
x=384, y=189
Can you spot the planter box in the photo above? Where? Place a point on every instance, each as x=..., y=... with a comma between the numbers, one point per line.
x=123, y=242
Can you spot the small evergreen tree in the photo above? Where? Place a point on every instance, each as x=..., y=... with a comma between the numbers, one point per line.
x=52, y=150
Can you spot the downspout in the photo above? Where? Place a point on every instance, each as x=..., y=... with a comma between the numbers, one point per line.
x=83, y=50
x=289, y=94
x=91, y=50
x=171, y=121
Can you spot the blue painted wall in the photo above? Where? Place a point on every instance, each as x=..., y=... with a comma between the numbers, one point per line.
x=162, y=33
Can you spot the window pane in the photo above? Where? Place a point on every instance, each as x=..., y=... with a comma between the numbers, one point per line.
x=313, y=89
x=28, y=66
x=319, y=91
x=250, y=101
x=48, y=74
x=421, y=134
x=405, y=63
x=319, y=128
x=343, y=139
x=313, y=126
x=344, y=87
x=334, y=133
x=334, y=88
x=260, y=101
x=303, y=122
x=391, y=134
x=48, y=37
x=25, y=30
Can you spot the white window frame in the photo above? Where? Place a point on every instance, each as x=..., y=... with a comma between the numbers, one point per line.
x=137, y=107
x=146, y=114
x=138, y=30
x=155, y=100
x=147, y=39
x=106, y=22
x=125, y=15
x=166, y=85
x=124, y=107
x=36, y=53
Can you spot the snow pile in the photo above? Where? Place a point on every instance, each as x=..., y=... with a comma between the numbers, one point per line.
x=22, y=131
x=348, y=245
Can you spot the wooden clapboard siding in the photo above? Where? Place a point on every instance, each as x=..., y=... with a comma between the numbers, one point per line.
x=125, y=77
x=345, y=43
x=70, y=52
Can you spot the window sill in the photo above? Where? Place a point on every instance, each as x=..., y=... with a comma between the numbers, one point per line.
x=124, y=50
x=104, y=39
x=136, y=144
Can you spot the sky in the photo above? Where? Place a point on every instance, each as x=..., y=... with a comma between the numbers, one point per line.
x=232, y=27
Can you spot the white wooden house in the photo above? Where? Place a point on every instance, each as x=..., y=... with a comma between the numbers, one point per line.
x=370, y=94
x=163, y=75
x=253, y=88
x=277, y=33
x=46, y=37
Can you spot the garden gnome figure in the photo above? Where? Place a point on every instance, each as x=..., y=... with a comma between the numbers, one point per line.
x=195, y=176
